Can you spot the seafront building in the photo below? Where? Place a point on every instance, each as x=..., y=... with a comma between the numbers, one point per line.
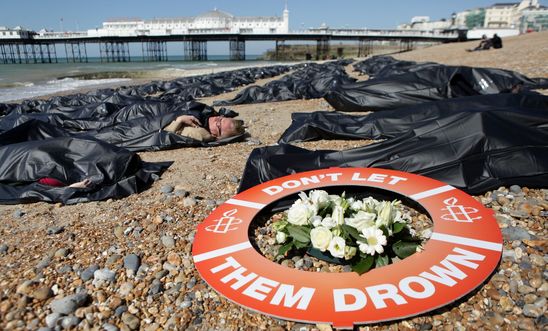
x=214, y=21
x=15, y=33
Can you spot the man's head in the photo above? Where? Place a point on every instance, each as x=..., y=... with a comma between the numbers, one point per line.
x=224, y=127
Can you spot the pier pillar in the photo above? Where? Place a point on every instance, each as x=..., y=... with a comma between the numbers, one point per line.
x=75, y=51
x=154, y=50
x=237, y=49
x=406, y=45
x=114, y=51
x=281, y=50
x=322, y=49
x=195, y=50
x=365, y=47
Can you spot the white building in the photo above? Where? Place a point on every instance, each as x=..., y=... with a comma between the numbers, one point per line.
x=507, y=15
x=423, y=23
x=214, y=21
x=15, y=33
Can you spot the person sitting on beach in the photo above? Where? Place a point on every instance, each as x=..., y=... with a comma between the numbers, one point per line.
x=484, y=44
x=496, y=41
x=220, y=127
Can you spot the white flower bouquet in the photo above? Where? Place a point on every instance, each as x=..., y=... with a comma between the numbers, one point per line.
x=365, y=233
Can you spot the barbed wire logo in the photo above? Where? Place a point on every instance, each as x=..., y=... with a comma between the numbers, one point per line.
x=225, y=223
x=459, y=213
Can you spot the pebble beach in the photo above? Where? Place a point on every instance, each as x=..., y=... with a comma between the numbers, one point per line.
x=127, y=265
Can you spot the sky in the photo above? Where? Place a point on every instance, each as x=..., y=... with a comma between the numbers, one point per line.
x=82, y=15
x=77, y=15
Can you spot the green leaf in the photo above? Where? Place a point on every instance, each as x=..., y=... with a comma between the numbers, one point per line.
x=352, y=231
x=404, y=249
x=364, y=265
x=299, y=244
x=299, y=233
x=397, y=227
x=285, y=248
x=384, y=231
x=381, y=261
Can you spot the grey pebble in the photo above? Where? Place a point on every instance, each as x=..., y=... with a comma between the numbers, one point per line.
x=105, y=275
x=120, y=310
x=515, y=233
x=55, y=230
x=43, y=328
x=168, y=241
x=253, y=141
x=189, y=202
x=3, y=249
x=191, y=283
x=110, y=327
x=64, y=269
x=87, y=274
x=70, y=322
x=515, y=189
x=181, y=193
x=155, y=177
x=43, y=263
x=69, y=304
x=211, y=203
x=51, y=319
x=156, y=287
x=161, y=274
x=531, y=310
x=166, y=189
x=186, y=304
x=132, y=262
x=18, y=213
x=234, y=179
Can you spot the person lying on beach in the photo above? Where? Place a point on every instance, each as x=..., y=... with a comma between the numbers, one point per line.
x=219, y=127
x=49, y=181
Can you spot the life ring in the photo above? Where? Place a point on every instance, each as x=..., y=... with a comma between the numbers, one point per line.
x=464, y=249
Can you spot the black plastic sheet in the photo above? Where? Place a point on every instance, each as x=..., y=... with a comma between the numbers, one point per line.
x=114, y=172
x=395, y=87
x=311, y=81
x=475, y=150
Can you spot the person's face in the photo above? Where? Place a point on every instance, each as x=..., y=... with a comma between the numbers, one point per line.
x=224, y=127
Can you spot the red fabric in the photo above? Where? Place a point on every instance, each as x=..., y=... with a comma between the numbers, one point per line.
x=51, y=182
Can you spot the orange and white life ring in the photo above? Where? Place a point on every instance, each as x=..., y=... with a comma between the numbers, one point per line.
x=464, y=249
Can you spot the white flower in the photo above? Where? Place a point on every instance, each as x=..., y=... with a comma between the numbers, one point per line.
x=356, y=205
x=329, y=223
x=338, y=215
x=337, y=247
x=281, y=237
x=320, y=238
x=386, y=214
x=319, y=198
x=299, y=213
x=370, y=204
x=316, y=220
x=374, y=241
x=336, y=199
x=361, y=220
x=349, y=252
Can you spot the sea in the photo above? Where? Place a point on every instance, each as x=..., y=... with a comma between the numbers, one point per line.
x=24, y=81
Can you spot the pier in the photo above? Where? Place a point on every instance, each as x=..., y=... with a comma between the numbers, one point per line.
x=42, y=49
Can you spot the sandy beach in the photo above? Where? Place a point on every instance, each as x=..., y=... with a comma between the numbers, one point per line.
x=45, y=249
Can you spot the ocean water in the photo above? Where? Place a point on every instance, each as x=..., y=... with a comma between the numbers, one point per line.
x=24, y=81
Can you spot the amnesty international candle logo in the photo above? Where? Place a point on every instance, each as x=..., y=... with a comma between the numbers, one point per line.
x=459, y=213
x=461, y=253
x=226, y=223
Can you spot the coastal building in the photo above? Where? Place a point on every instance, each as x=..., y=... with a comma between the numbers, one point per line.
x=534, y=19
x=214, y=21
x=423, y=23
x=15, y=33
x=507, y=15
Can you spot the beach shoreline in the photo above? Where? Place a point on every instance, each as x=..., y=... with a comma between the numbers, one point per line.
x=160, y=228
